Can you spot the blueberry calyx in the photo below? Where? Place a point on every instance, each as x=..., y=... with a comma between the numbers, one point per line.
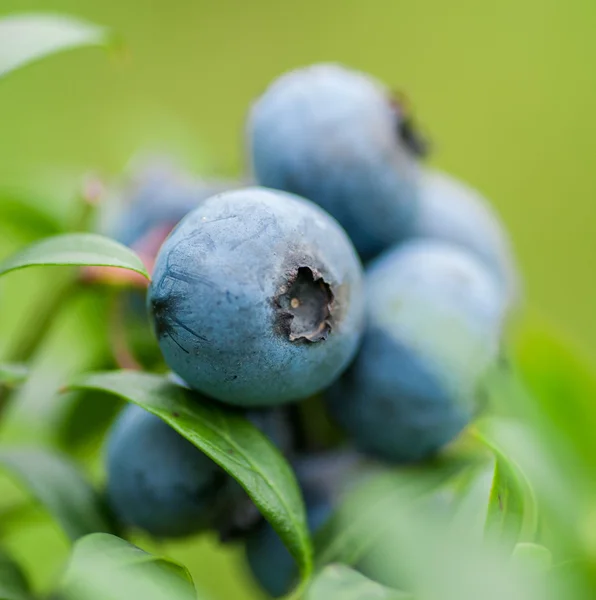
x=304, y=307
x=407, y=129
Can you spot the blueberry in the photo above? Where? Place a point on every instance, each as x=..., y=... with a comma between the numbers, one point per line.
x=452, y=211
x=141, y=215
x=337, y=137
x=257, y=299
x=157, y=480
x=142, y=212
x=157, y=196
x=435, y=318
x=160, y=482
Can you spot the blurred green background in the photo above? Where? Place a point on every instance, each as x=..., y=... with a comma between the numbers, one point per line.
x=506, y=91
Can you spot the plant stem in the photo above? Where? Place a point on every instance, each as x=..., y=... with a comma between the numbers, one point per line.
x=35, y=333
x=41, y=322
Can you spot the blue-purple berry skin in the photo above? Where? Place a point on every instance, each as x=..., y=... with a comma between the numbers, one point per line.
x=157, y=481
x=159, y=194
x=335, y=136
x=435, y=320
x=452, y=211
x=257, y=298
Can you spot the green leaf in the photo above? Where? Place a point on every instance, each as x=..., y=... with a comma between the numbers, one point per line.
x=13, y=583
x=229, y=440
x=533, y=556
x=546, y=480
x=57, y=484
x=470, y=493
x=82, y=249
x=339, y=582
x=25, y=38
x=353, y=529
x=562, y=386
x=512, y=507
x=105, y=567
x=28, y=215
x=424, y=552
x=13, y=374
x=506, y=501
x=549, y=456
x=86, y=418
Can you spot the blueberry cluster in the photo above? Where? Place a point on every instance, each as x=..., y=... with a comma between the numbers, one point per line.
x=260, y=300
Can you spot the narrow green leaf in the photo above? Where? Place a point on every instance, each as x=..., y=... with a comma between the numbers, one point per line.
x=106, y=567
x=58, y=485
x=13, y=583
x=513, y=508
x=25, y=38
x=505, y=504
x=82, y=249
x=540, y=451
x=339, y=582
x=229, y=440
x=13, y=374
x=470, y=493
x=28, y=215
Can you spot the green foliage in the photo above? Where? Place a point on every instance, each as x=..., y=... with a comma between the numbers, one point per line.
x=533, y=556
x=56, y=483
x=354, y=531
x=78, y=249
x=507, y=512
x=512, y=508
x=13, y=582
x=28, y=215
x=227, y=438
x=483, y=519
x=105, y=567
x=338, y=582
x=28, y=37
x=12, y=374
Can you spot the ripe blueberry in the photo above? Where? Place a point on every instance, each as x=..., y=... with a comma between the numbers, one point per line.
x=337, y=137
x=156, y=198
x=435, y=318
x=451, y=211
x=257, y=299
x=157, y=480
x=161, y=483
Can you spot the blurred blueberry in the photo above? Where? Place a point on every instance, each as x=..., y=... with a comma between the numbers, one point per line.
x=452, y=211
x=268, y=559
x=321, y=478
x=337, y=137
x=257, y=299
x=156, y=195
x=157, y=480
x=435, y=319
